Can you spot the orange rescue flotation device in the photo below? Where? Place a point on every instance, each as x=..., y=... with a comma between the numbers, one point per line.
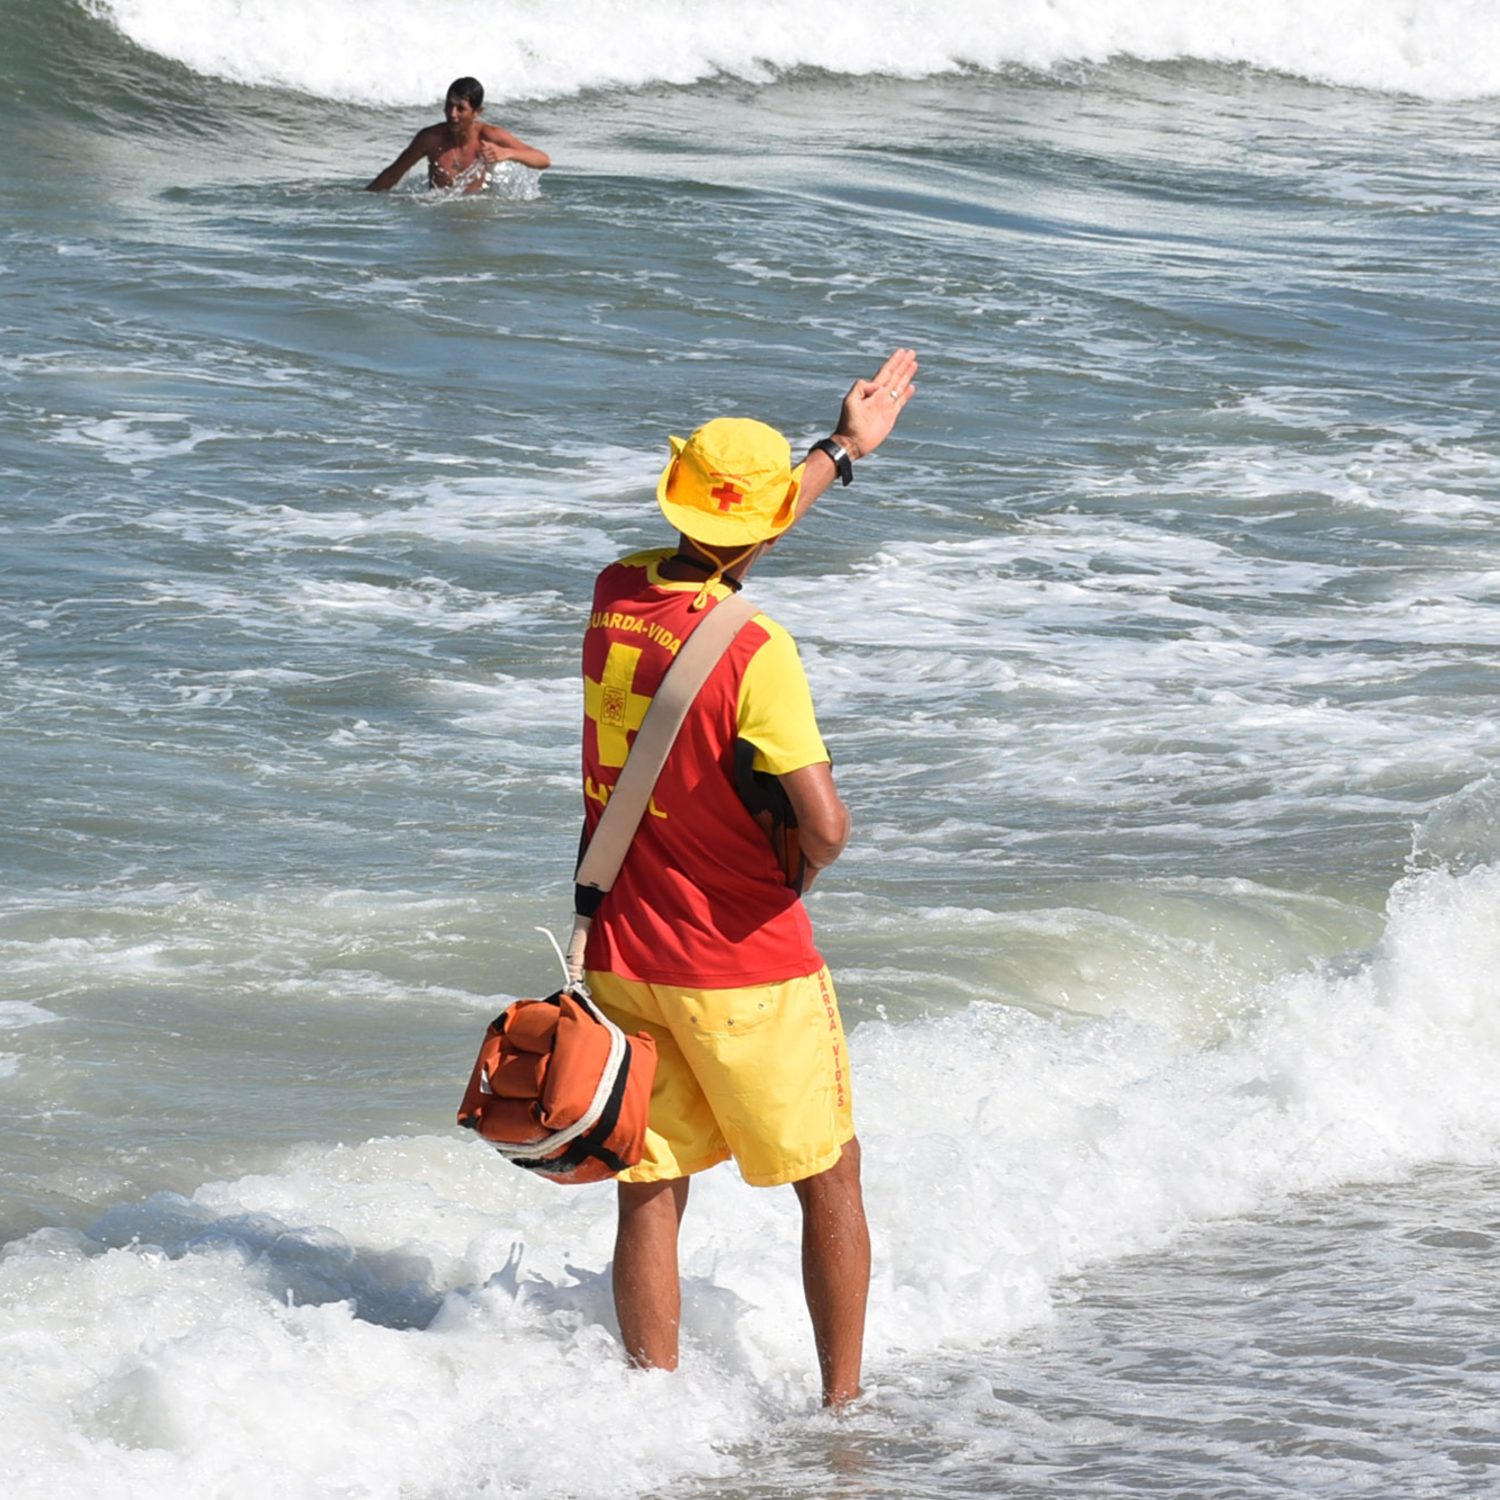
x=560, y=1090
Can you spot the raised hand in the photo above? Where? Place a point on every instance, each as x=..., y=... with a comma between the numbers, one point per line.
x=872, y=406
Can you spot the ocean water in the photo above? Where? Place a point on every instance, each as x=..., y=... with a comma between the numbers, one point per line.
x=1158, y=651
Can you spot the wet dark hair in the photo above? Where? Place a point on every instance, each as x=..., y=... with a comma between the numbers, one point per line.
x=467, y=88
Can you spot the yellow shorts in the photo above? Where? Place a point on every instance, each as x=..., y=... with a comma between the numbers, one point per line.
x=760, y=1074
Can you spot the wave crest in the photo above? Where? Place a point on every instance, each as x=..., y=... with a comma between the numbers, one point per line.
x=402, y=52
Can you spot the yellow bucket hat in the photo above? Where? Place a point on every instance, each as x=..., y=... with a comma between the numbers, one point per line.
x=731, y=482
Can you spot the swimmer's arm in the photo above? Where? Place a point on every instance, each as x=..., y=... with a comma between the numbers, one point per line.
x=497, y=145
x=421, y=146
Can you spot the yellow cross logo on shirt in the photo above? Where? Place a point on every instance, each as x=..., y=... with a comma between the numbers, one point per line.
x=614, y=705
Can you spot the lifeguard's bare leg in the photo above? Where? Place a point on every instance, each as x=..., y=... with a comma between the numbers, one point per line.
x=836, y=1271
x=648, y=1294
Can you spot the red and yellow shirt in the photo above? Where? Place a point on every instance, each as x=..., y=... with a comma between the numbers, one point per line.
x=700, y=901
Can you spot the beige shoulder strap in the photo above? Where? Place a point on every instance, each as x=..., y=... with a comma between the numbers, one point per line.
x=700, y=654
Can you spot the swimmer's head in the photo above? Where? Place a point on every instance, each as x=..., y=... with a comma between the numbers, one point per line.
x=471, y=90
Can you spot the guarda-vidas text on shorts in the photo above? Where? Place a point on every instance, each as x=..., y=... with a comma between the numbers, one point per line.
x=760, y=1074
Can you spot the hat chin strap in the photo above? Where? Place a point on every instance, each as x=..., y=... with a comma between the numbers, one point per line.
x=701, y=598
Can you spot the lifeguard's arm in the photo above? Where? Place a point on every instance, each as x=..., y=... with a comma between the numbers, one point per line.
x=775, y=714
x=865, y=421
x=403, y=164
x=496, y=145
x=822, y=818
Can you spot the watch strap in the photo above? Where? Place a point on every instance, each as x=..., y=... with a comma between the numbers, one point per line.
x=838, y=455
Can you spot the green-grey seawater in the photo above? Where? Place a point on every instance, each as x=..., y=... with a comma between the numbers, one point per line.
x=1157, y=652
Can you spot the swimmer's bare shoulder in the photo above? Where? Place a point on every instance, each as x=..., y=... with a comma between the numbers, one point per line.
x=497, y=145
x=425, y=144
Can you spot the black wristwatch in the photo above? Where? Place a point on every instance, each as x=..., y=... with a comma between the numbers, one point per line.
x=840, y=456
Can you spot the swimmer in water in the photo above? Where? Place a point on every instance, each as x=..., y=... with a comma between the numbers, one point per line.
x=461, y=151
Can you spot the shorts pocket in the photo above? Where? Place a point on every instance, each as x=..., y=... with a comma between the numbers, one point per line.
x=730, y=1013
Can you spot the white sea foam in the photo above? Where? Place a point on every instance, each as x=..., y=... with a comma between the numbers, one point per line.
x=137, y=438
x=1463, y=830
x=402, y=52
x=559, y=499
x=367, y=1316
x=18, y=1014
x=428, y=604
x=984, y=655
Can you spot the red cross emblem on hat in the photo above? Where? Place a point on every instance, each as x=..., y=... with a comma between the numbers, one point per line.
x=726, y=494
